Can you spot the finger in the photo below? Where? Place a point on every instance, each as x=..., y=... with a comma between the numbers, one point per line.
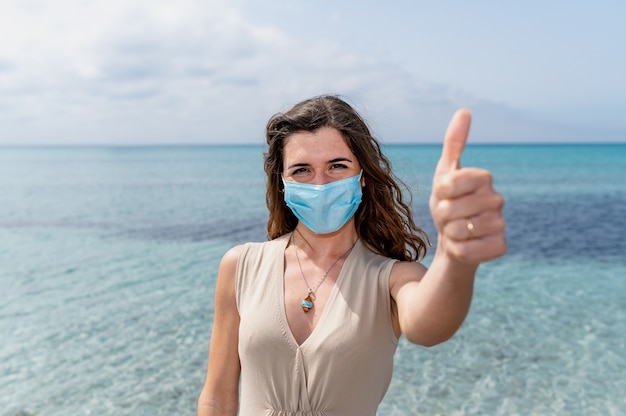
x=478, y=250
x=488, y=223
x=447, y=210
x=463, y=182
x=454, y=142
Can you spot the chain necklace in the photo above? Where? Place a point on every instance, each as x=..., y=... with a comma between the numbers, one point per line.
x=307, y=302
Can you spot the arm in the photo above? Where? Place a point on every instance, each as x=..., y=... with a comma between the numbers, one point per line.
x=432, y=304
x=467, y=212
x=220, y=395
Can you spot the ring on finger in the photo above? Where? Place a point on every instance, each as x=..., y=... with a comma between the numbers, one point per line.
x=470, y=228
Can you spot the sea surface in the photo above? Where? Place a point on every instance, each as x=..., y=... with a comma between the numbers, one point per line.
x=108, y=260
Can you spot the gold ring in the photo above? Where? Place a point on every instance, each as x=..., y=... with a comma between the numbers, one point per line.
x=470, y=228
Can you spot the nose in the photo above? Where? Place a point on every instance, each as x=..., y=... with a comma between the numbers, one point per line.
x=321, y=178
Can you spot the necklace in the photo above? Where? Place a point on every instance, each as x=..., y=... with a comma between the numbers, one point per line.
x=307, y=302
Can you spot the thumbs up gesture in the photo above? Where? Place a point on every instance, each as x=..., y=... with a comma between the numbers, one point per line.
x=465, y=208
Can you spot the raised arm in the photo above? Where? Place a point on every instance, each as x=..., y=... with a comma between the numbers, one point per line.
x=467, y=212
x=220, y=395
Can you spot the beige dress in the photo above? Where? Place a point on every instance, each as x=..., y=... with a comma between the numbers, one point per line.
x=343, y=368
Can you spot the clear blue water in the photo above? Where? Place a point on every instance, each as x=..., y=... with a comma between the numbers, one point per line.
x=108, y=259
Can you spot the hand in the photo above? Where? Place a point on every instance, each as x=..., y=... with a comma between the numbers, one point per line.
x=465, y=208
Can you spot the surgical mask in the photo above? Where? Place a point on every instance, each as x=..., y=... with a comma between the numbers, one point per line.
x=324, y=208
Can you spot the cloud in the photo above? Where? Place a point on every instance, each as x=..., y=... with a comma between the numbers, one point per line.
x=196, y=72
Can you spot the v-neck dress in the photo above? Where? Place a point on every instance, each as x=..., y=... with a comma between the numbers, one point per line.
x=343, y=368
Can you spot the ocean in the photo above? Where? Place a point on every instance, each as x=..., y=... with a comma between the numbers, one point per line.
x=108, y=260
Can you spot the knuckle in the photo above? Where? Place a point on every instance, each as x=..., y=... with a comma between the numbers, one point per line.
x=481, y=174
x=443, y=209
x=498, y=200
x=487, y=177
x=500, y=224
x=444, y=187
x=461, y=251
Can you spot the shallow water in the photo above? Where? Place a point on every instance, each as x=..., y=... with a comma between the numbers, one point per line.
x=109, y=255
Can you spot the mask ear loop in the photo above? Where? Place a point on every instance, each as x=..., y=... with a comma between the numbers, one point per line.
x=282, y=190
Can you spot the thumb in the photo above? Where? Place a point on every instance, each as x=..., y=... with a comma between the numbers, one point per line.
x=454, y=142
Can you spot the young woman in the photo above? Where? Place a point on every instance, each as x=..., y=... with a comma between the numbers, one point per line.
x=307, y=323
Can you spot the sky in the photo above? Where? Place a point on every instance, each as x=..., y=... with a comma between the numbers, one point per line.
x=133, y=72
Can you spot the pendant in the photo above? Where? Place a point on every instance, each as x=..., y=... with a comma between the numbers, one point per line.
x=307, y=303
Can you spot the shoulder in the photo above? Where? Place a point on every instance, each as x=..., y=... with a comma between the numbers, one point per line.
x=367, y=255
x=401, y=271
x=248, y=258
x=229, y=277
x=269, y=248
x=228, y=266
x=232, y=255
x=405, y=272
x=230, y=263
x=374, y=265
x=231, y=258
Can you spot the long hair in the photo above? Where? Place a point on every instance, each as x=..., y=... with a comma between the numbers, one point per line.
x=384, y=221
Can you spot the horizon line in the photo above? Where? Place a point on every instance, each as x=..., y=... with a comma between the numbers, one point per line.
x=129, y=145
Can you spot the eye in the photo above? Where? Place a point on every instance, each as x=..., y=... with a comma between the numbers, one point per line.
x=338, y=166
x=300, y=171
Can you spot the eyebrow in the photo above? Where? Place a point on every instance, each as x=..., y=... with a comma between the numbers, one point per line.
x=338, y=159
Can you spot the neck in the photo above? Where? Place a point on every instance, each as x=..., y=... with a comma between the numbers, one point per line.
x=325, y=245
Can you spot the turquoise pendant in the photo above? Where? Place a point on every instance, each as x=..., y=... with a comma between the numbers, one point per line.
x=307, y=303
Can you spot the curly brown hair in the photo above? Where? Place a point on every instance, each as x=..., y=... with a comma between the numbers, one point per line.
x=384, y=221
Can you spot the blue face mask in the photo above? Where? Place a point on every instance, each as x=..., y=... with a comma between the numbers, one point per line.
x=324, y=208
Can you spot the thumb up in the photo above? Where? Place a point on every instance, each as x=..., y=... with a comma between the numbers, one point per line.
x=466, y=210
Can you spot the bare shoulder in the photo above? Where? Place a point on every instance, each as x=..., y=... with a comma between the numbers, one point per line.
x=231, y=257
x=404, y=272
x=226, y=275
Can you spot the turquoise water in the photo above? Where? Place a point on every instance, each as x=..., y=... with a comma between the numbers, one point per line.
x=108, y=258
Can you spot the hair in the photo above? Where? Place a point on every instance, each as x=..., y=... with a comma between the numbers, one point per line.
x=383, y=221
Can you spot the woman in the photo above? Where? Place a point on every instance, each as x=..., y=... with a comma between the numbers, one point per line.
x=310, y=320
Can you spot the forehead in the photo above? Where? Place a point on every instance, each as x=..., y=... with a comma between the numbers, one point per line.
x=320, y=145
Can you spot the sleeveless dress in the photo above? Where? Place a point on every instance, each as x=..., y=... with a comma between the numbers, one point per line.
x=343, y=368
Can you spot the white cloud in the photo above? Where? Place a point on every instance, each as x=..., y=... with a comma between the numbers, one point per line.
x=193, y=72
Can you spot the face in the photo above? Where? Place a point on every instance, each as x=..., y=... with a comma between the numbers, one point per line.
x=318, y=157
